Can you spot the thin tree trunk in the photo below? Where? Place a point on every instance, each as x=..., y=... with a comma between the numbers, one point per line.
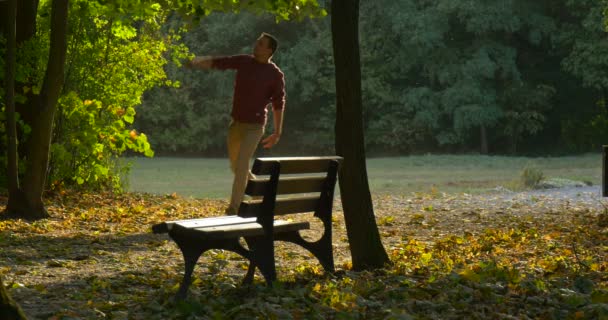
x=484, y=139
x=11, y=127
x=40, y=113
x=4, y=12
x=9, y=31
x=363, y=236
x=513, y=144
x=10, y=310
x=27, y=11
x=26, y=19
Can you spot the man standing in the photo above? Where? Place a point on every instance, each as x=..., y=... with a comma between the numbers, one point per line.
x=259, y=82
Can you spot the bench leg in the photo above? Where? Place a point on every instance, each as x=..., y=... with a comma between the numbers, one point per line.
x=192, y=249
x=191, y=255
x=262, y=257
x=321, y=249
x=248, y=279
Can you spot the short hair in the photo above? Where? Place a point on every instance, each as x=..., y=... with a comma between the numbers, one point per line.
x=272, y=41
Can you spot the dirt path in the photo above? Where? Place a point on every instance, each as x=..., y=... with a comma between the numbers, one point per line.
x=589, y=193
x=590, y=196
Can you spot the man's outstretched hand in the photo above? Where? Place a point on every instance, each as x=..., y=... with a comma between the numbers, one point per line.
x=270, y=141
x=204, y=62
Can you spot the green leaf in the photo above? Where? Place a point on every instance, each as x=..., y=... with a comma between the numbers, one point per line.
x=129, y=116
x=599, y=296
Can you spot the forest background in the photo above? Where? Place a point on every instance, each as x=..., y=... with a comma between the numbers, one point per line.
x=499, y=77
x=489, y=77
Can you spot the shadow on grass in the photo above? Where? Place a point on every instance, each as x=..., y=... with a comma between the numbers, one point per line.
x=345, y=295
x=137, y=276
x=31, y=249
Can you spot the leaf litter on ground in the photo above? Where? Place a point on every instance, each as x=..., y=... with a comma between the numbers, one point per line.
x=453, y=256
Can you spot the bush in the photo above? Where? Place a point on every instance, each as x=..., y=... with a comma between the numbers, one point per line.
x=531, y=177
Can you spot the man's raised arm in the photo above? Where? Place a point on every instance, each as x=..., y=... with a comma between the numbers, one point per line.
x=203, y=62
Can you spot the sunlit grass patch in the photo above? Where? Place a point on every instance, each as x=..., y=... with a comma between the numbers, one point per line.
x=211, y=178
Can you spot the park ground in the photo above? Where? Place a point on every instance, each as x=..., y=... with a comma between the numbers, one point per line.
x=492, y=252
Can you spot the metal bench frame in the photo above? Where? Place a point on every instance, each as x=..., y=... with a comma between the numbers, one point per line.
x=255, y=221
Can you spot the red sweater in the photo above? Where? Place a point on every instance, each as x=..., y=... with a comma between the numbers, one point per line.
x=256, y=85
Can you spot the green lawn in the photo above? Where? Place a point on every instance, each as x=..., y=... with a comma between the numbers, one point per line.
x=211, y=178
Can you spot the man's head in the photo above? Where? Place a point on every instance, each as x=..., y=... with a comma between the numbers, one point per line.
x=265, y=46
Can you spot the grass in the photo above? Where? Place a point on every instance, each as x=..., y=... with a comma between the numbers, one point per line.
x=199, y=178
x=211, y=178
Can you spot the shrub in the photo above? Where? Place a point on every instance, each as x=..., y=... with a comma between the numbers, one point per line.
x=531, y=177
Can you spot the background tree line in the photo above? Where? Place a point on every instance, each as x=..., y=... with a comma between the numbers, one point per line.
x=500, y=77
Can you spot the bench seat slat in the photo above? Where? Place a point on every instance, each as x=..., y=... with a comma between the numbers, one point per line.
x=288, y=185
x=165, y=227
x=252, y=208
x=297, y=165
x=239, y=230
x=232, y=220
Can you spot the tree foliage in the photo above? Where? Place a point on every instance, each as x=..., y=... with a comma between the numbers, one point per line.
x=116, y=51
x=110, y=64
x=437, y=76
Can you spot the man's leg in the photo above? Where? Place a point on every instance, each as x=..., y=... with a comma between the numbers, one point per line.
x=235, y=136
x=233, y=142
x=250, y=135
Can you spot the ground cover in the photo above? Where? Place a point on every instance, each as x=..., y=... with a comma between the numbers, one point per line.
x=454, y=256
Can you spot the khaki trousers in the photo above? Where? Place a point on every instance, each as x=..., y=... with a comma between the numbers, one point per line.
x=243, y=140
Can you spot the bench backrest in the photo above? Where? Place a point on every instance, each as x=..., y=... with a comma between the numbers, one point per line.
x=309, y=182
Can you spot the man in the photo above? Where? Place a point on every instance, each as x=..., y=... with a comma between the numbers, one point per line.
x=259, y=82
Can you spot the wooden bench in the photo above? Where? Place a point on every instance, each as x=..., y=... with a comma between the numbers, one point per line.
x=309, y=182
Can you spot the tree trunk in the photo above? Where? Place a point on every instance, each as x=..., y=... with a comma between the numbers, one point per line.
x=9, y=30
x=26, y=30
x=4, y=12
x=39, y=113
x=363, y=236
x=513, y=144
x=9, y=309
x=10, y=62
x=26, y=19
x=484, y=139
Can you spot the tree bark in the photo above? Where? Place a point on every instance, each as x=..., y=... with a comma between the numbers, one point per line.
x=9, y=309
x=39, y=113
x=26, y=29
x=4, y=12
x=26, y=19
x=513, y=144
x=363, y=236
x=9, y=14
x=11, y=126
